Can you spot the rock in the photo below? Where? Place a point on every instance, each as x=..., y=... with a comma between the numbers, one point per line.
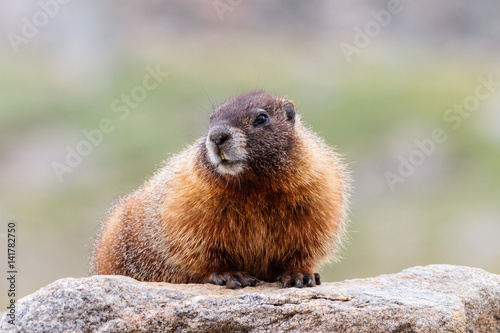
x=438, y=298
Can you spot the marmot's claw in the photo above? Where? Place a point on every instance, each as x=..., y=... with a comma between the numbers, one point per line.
x=217, y=278
x=233, y=280
x=317, y=277
x=299, y=279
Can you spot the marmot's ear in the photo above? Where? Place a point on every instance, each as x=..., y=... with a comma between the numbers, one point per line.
x=289, y=109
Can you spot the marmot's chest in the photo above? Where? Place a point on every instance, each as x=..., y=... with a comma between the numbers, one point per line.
x=262, y=235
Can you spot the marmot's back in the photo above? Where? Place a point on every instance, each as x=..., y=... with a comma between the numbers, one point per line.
x=259, y=197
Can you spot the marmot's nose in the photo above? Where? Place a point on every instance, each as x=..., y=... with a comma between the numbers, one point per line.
x=219, y=135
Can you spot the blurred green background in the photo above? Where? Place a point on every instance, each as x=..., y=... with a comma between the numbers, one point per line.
x=373, y=107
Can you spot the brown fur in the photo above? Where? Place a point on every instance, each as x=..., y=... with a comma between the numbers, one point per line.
x=285, y=212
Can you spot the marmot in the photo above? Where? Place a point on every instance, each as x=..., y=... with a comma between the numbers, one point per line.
x=258, y=197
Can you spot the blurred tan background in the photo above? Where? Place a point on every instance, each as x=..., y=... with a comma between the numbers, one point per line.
x=377, y=79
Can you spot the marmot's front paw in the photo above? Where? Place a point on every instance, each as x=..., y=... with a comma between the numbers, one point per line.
x=233, y=280
x=299, y=279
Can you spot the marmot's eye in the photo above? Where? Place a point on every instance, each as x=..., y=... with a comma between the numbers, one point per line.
x=261, y=119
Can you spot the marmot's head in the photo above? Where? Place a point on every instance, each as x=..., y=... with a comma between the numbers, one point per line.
x=251, y=134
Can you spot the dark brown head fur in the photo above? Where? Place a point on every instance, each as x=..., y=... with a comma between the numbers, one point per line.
x=263, y=125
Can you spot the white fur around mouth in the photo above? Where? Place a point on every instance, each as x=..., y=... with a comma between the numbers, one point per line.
x=232, y=168
x=229, y=161
x=225, y=166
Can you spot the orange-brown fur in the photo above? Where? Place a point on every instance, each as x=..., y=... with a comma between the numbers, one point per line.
x=188, y=222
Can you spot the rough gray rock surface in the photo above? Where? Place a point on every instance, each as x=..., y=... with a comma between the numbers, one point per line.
x=439, y=298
